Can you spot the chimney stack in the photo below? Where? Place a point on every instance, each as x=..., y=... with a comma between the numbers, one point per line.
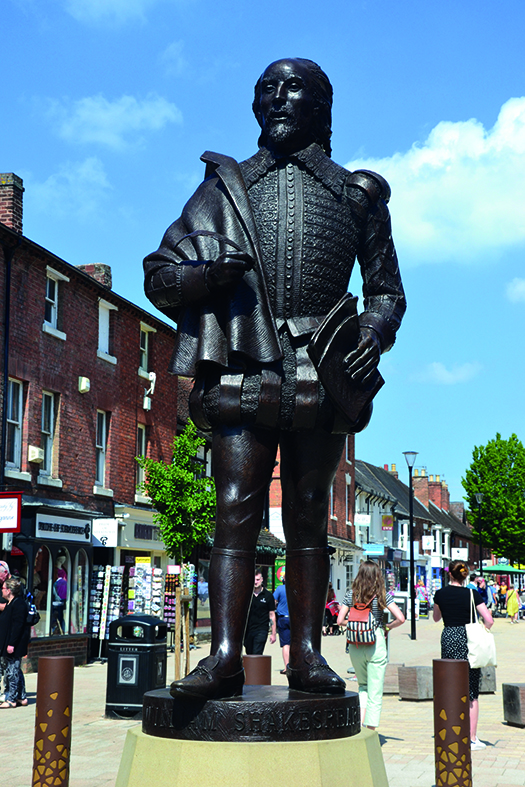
x=99, y=272
x=11, y=201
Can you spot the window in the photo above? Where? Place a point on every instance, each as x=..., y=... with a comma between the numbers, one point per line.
x=101, y=446
x=349, y=447
x=105, y=333
x=13, y=456
x=79, y=594
x=141, y=451
x=48, y=431
x=51, y=304
x=332, y=502
x=348, y=504
x=60, y=593
x=145, y=349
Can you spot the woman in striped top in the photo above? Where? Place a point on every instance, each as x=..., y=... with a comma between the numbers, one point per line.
x=369, y=661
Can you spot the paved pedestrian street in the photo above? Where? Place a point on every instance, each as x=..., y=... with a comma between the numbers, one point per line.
x=406, y=730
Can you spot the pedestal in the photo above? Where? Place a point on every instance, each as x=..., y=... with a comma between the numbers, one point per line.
x=261, y=713
x=348, y=762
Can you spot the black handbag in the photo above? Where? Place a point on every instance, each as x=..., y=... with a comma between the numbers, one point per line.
x=337, y=336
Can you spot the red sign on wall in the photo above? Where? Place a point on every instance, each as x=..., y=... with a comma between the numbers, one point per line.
x=10, y=512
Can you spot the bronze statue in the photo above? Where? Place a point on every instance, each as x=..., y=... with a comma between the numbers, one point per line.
x=262, y=253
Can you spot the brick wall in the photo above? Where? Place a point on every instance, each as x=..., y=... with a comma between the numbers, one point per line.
x=43, y=362
x=76, y=646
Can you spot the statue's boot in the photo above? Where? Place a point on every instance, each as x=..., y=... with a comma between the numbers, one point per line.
x=221, y=674
x=307, y=574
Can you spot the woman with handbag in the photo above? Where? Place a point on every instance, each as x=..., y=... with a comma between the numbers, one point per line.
x=453, y=605
x=14, y=639
x=369, y=656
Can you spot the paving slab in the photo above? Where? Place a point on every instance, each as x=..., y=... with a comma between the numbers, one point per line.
x=405, y=731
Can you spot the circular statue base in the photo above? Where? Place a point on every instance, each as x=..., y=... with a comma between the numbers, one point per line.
x=262, y=713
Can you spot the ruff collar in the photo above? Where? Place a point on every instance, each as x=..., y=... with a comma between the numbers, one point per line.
x=312, y=158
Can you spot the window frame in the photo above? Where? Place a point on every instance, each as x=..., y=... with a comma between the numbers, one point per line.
x=51, y=325
x=145, y=352
x=141, y=438
x=101, y=448
x=47, y=438
x=104, y=331
x=16, y=464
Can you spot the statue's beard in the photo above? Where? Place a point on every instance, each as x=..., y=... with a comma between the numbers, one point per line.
x=286, y=133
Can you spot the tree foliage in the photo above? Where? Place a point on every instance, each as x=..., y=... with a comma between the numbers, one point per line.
x=498, y=472
x=183, y=496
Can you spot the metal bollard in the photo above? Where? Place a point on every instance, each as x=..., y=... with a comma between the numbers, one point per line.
x=452, y=723
x=258, y=670
x=54, y=698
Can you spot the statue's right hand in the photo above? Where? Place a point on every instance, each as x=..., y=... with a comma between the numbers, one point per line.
x=227, y=269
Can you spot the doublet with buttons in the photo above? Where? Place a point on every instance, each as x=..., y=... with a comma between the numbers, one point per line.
x=312, y=219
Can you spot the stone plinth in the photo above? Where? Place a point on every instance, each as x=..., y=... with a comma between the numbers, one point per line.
x=354, y=761
x=514, y=703
x=415, y=683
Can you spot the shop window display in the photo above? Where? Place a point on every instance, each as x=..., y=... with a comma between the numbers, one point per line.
x=41, y=590
x=60, y=593
x=80, y=594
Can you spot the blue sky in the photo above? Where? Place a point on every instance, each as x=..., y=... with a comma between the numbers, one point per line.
x=107, y=106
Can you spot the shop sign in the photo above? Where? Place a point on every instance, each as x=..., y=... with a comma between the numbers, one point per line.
x=459, y=553
x=374, y=549
x=143, y=561
x=427, y=542
x=388, y=522
x=10, y=512
x=62, y=528
x=105, y=532
x=280, y=569
x=362, y=519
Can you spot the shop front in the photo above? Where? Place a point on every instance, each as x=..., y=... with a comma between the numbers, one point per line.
x=52, y=554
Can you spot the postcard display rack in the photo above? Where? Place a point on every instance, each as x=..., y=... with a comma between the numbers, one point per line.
x=145, y=588
x=114, y=595
x=105, y=601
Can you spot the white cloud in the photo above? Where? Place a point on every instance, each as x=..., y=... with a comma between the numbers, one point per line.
x=94, y=119
x=458, y=196
x=516, y=290
x=107, y=11
x=77, y=189
x=437, y=372
x=173, y=59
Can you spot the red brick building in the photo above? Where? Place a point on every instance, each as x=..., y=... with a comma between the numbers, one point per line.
x=83, y=391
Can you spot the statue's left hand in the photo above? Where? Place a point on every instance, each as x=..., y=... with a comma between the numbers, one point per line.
x=362, y=362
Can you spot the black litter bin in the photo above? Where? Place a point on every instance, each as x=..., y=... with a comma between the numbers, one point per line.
x=136, y=663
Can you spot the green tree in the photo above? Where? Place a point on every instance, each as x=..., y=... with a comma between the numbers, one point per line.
x=498, y=472
x=183, y=496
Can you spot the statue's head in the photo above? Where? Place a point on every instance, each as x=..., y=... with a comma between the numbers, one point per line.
x=293, y=106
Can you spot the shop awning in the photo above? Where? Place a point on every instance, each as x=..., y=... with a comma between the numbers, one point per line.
x=501, y=568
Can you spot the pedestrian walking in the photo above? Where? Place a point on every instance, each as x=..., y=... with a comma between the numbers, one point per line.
x=513, y=604
x=369, y=660
x=14, y=639
x=452, y=605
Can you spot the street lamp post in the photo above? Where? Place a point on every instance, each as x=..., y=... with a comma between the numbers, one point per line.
x=410, y=457
x=479, y=500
